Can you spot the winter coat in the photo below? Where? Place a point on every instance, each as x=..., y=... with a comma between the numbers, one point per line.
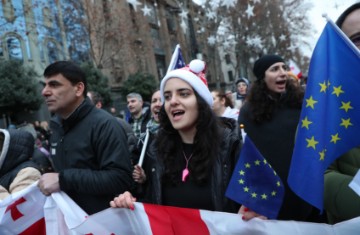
x=220, y=174
x=275, y=139
x=340, y=201
x=17, y=170
x=89, y=150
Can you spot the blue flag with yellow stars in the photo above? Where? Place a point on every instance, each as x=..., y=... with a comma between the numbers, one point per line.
x=255, y=184
x=329, y=124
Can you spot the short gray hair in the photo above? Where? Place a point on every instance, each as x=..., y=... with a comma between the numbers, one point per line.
x=134, y=95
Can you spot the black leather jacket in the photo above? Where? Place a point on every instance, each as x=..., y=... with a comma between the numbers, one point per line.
x=221, y=173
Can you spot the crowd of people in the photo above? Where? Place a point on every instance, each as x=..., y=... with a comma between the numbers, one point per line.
x=180, y=151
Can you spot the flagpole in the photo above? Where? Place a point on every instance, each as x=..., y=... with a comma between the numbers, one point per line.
x=342, y=34
x=144, y=148
x=173, y=59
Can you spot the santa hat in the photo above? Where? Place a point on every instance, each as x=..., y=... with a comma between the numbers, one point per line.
x=194, y=74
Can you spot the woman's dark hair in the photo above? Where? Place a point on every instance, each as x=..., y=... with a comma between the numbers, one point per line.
x=263, y=104
x=205, y=147
x=347, y=12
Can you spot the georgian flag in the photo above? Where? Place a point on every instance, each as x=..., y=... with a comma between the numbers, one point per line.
x=29, y=212
x=295, y=69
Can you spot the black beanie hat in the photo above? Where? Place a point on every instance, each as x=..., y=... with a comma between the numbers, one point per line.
x=263, y=63
x=347, y=12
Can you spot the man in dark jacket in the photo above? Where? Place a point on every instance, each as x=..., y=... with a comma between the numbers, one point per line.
x=88, y=147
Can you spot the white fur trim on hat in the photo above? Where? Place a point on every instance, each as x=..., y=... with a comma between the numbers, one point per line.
x=194, y=81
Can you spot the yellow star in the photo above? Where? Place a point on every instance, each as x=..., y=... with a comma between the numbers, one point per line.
x=273, y=193
x=242, y=172
x=346, y=123
x=323, y=87
x=247, y=165
x=246, y=189
x=257, y=163
x=241, y=181
x=265, y=162
x=305, y=123
x=322, y=155
x=335, y=138
x=346, y=106
x=328, y=84
x=278, y=184
x=254, y=195
x=312, y=143
x=337, y=91
x=264, y=196
x=310, y=102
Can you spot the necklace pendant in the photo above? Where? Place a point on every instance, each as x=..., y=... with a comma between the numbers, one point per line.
x=185, y=174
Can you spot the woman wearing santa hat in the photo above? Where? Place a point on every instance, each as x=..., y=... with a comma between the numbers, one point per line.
x=194, y=153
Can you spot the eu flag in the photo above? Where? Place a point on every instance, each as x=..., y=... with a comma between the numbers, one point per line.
x=255, y=184
x=177, y=60
x=329, y=124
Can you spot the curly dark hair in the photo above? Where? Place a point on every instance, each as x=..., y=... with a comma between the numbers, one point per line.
x=263, y=104
x=205, y=147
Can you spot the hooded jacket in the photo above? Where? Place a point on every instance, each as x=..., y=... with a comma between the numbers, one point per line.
x=17, y=170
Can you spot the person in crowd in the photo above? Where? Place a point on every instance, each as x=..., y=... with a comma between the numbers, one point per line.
x=17, y=170
x=242, y=86
x=270, y=117
x=194, y=153
x=340, y=201
x=223, y=106
x=88, y=146
x=153, y=125
x=139, y=114
x=97, y=100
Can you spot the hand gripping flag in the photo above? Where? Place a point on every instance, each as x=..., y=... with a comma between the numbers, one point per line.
x=177, y=60
x=255, y=184
x=330, y=116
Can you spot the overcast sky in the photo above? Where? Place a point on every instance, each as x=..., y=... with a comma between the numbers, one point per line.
x=333, y=8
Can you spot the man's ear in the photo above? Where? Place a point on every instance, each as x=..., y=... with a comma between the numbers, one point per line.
x=80, y=87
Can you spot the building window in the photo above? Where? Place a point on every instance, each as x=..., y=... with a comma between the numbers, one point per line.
x=1, y=49
x=14, y=48
x=227, y=59
x=170, y=21
x=52, y=52
x=231, y=76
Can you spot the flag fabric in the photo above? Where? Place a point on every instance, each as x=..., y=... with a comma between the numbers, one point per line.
x=177, y=60
x=295, y=69
x=22, y=213
x=61, y=216
x=330, y=116
x=254, y=182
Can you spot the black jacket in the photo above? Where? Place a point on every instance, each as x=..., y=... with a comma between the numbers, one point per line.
x=15, y=155
x=89, y=149
x=221, y=173
x=275, y=140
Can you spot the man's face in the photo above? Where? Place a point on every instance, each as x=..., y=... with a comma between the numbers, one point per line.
x=61, y=96
x=351, y=27
x=135, y=106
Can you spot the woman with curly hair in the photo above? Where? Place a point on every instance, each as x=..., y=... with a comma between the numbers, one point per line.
x=270, y=117
x=192, y=158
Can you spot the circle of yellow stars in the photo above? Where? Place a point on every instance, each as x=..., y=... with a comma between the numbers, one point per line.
x=247, y=188
x=345, y=122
